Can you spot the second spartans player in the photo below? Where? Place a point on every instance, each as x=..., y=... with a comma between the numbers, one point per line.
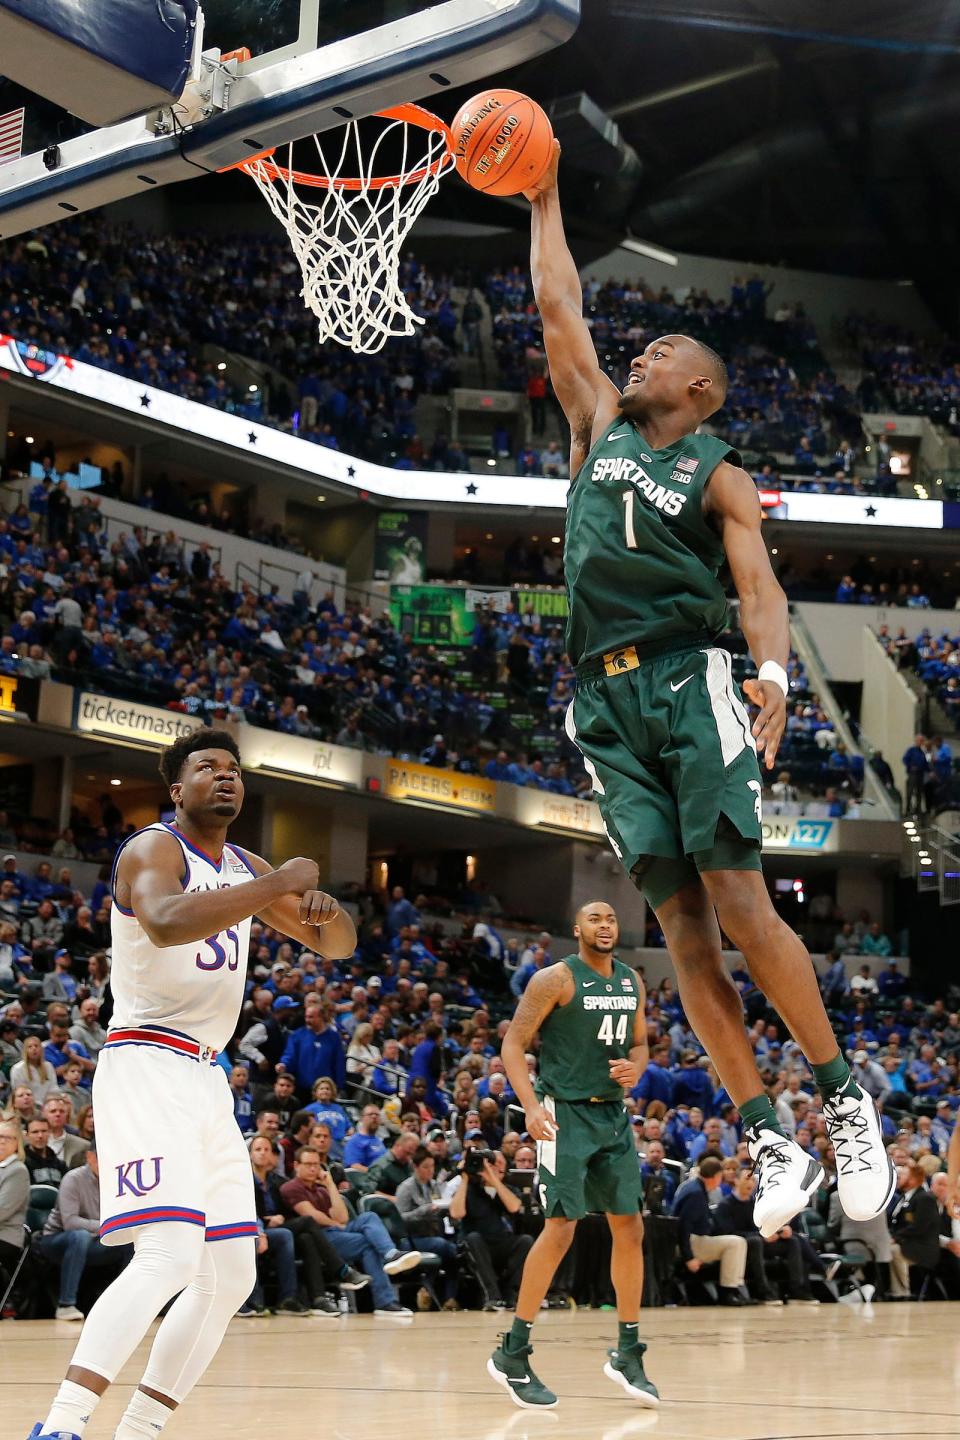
x=653, y=511
x=589, y=1010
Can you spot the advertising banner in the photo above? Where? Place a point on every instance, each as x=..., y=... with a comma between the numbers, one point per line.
x=407, y=781
x=400, y=546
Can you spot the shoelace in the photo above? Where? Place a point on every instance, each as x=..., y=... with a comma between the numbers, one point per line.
x=770, y=1166
x=850, y=1137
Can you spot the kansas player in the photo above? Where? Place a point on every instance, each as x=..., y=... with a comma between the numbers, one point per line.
x=174, y=1171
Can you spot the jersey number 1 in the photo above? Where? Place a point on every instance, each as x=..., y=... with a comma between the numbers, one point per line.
x=608, y=1034
x=629, y=532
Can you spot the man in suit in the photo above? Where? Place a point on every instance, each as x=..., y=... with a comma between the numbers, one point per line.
x=700, y=1242
x=66, y=1144
x=948, y=1269
x=915, y=1227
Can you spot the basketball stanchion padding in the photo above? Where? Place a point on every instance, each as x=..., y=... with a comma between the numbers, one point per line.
x=348, y=229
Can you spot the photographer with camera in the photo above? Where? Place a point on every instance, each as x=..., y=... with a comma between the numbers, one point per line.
x=483, y=1206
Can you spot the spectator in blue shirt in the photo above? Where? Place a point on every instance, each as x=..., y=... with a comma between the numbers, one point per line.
x=326, y=1108
x=691, y=1085
x=891, y=982
x=426, y=1063
x=365, y=1146
x=400, y=911
x=524, y=973
x=846, y=591
x=15, y=876
x=942, y=759
x=60, y=1050
x=656, y=1082
x=499, y=769
x=915, y=764
x=519, y=770
x=390, y=1076
x=713, y=1135
x=923, y=1076
x=835, y=983
x=313, y=1050
x=242, y=1099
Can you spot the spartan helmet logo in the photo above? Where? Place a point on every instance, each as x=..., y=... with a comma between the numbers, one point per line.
x=754, y=785
x=619, y=660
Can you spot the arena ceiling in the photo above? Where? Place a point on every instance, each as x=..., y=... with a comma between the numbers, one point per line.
x=802, y=132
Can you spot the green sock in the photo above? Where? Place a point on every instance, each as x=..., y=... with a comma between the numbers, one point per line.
x=519, y=1334
x=834, y=1077
x=628, y=1333
x=760, y=1112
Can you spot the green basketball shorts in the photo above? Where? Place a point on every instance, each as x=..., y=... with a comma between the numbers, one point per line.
x=591, y=1166
x=668, y=747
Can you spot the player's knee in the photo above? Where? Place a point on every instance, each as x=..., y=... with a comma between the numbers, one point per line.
x=693, y=957
x=559, y=1231
x=172, y=1251
x=627, y=1229
x=235, y=1272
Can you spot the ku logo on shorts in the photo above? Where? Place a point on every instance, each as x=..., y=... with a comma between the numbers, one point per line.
x=132, y=1177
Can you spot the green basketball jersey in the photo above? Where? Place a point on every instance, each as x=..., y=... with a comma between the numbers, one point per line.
x=639, y=558
x=578, y=1040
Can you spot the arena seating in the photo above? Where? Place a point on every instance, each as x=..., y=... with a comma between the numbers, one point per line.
x=457, y=959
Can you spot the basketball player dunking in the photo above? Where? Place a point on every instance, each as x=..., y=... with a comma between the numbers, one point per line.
x=653, y=511
x=175, y=1175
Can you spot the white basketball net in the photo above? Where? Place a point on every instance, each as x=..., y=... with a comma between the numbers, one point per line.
x=347, y=233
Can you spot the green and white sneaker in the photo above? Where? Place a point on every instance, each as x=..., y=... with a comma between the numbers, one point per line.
x=625, y=1367
x=511, y=1369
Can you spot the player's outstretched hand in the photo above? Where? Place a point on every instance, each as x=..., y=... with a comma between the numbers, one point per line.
x=548, y=181
x=301, y=874
x=540, y=1124
x=625, y=1073
x=318, y=908
x=769, y=725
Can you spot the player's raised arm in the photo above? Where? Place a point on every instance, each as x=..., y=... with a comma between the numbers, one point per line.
x=313, y=918
x=587, y=396
x=546, y=989
x=732, y=500
x=149, y=881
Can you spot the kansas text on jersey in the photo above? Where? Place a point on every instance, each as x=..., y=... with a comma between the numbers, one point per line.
x=196, y=989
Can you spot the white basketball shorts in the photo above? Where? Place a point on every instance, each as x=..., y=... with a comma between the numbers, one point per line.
x=168, y=1145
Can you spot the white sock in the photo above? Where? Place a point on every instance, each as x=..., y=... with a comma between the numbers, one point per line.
x=72, y=1408
x=143, y=1417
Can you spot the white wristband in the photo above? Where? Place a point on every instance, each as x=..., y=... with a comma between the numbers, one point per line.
x=770, y=670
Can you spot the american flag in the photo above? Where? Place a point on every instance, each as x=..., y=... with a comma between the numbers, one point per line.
x=11, y=136
x=688, y=466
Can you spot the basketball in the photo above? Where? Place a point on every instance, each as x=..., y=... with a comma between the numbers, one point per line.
x=502, y=141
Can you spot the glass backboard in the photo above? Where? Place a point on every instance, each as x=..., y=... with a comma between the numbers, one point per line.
x=313, y=63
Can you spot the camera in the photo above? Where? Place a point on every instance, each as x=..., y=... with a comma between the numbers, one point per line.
x=474, y=1161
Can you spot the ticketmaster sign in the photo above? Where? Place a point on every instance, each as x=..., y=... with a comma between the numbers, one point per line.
x=129, y=720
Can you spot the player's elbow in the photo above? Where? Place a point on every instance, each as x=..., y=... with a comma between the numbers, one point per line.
x=161, y=930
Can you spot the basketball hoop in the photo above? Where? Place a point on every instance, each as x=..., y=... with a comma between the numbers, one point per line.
x=347, y=240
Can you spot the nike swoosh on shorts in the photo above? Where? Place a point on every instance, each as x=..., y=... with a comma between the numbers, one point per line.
x=681, y=685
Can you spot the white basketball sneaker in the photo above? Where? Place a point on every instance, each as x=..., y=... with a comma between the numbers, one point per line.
x=866, y=1178
x=786, y=1178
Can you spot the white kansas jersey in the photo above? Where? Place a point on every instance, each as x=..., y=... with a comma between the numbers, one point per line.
x=196, y=989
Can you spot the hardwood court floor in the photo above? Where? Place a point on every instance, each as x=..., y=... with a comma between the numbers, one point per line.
x=791, y=1374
